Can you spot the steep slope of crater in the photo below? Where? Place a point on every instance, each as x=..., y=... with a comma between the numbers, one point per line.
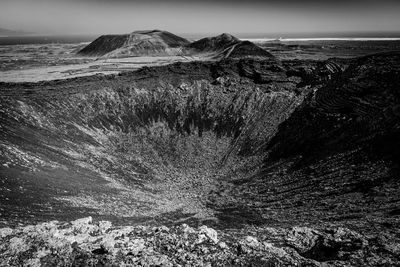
x=357, y=110
x=141, y=146
x=138, y=43
x=334, y=161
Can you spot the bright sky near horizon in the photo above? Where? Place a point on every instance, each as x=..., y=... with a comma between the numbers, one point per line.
x=195, y=16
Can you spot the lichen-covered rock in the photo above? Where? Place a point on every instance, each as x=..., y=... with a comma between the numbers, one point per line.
x=207, y=233
x=251, y=242
x=61, y=244
x=222, y=245
x=331, y=244
x=17, y=245
x=4, y=232
x=302, y=238
x=187, y=230
x=104, y=226
x=84, y=225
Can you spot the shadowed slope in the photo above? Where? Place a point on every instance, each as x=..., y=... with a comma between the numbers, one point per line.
x=357, y=110
x=104, y=44
x=248, y=49
x=335, y=159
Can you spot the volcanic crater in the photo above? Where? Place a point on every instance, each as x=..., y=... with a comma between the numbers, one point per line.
x=243, y=141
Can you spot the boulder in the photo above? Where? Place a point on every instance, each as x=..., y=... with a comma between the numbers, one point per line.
x=210, y=233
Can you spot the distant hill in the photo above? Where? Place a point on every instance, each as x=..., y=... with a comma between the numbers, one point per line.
x=247, y=49
x=137, y=43
x=216, y=43
x=163, y=43
x=7, y=32
x=227, y=46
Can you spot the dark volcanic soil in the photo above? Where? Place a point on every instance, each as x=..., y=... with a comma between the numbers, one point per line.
x=238, y=144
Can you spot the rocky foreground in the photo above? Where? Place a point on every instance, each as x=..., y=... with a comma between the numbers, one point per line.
x=84, y=242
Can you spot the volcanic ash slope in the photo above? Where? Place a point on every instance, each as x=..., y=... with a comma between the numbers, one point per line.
x=336, y=158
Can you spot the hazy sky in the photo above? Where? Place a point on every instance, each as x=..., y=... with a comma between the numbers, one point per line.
x=207, y=16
